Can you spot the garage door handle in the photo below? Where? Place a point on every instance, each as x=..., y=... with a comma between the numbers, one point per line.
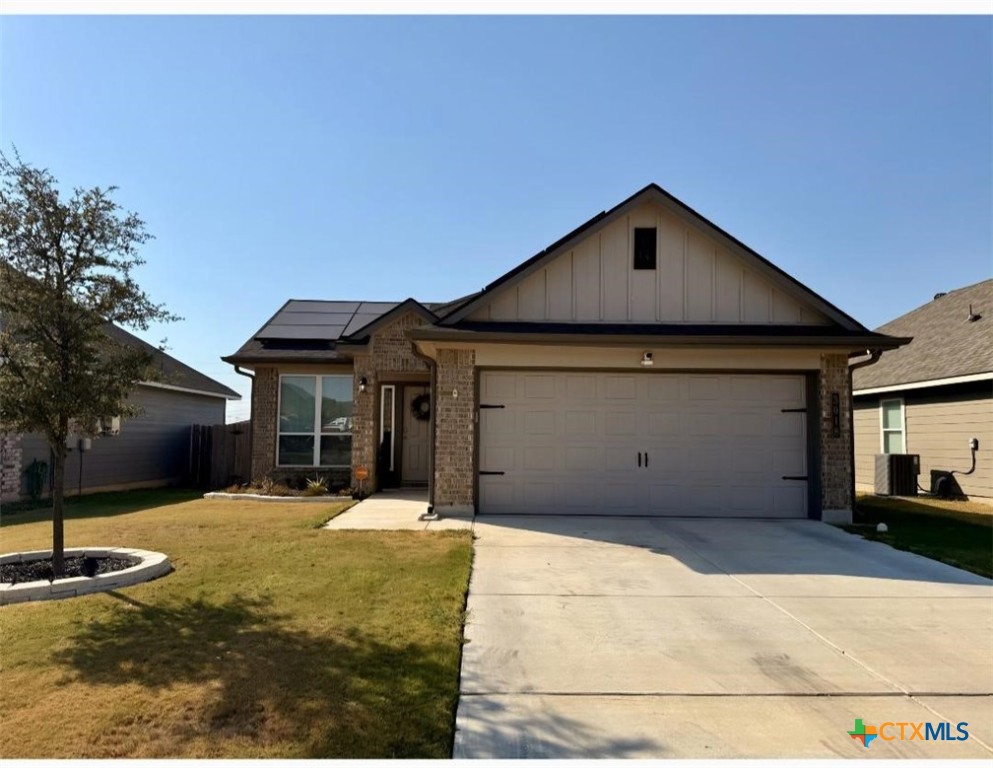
x=639, y=458
x=646, y=458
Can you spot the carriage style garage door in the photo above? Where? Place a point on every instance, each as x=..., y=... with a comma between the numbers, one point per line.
x=722, y=445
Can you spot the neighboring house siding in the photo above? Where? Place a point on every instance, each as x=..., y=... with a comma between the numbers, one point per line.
x=938, y=424
x=152, y=448
x=696, y=280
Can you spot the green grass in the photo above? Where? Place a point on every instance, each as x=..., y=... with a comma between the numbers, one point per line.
x=959, y=533
x=270, y=639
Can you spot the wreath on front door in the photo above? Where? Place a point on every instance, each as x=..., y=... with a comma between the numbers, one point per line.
x=420, y=407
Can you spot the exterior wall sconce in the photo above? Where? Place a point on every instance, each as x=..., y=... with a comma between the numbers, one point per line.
x=455, y=394
x=363, y=383
x=647, y=360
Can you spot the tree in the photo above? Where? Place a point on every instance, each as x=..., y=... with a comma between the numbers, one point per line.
x=66, y=272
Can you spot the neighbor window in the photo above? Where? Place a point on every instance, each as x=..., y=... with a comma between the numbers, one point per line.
x=891, y=418
x=644, y=248
x=315, y=431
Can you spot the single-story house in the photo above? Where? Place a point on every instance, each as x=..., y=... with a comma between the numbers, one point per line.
x=934, y=396
x=149, y=450
x=646, y=363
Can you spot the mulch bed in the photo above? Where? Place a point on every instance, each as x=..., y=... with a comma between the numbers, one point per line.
x=41, y=570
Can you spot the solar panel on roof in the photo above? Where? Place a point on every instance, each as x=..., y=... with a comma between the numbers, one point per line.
x=323, y=332
x=311, y=318
x=298, y=305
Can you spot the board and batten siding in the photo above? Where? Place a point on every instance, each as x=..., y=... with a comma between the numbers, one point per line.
x=938, y=425
x=152, y=449
x=696, y=280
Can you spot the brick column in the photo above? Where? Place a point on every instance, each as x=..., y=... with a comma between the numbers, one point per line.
x=10, y=467
x=265, y=401
x=365, y=435
x=836, y=468
x=455, y=430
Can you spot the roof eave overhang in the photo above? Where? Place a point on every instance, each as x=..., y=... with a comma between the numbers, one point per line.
x=229, y=395
x=850, y=342
x=926, y=384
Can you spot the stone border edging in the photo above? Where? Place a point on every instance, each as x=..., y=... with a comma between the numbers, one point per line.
x=147, y=566
x=280, y=499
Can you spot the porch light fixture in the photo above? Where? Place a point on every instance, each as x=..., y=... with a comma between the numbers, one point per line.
x=646, y=360
x=455, y=394
x=363, y=383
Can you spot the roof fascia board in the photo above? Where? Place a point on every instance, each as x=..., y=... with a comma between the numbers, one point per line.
x=655, y=193
x=967, y=379
x=188, y=390
x=854, y=343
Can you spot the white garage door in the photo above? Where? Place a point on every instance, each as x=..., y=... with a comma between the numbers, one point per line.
x=723, y=445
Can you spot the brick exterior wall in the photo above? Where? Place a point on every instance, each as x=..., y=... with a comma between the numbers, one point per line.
x=10, y=467
x=836, y=468
x=390, y=352
x=265, y=401
x=455, y=429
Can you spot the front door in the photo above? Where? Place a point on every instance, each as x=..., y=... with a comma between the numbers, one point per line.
x=414, y=446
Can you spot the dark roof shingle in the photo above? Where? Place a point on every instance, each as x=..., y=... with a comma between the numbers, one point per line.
x=172, y=372
x=946, y=343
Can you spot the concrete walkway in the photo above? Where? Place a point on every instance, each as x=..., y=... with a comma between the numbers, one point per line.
x=395, y=510
x=651, y=638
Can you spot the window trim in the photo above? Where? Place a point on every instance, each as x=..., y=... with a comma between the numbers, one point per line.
x=903, y=423
x=317, y=433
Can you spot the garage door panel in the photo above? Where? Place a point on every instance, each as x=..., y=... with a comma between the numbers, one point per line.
x=620, y=388
x=580, y=387
x=620, y=424
x=538, y=422
x=710, y=444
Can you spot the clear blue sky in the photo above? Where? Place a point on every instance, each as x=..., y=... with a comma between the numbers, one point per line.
x=380, y=158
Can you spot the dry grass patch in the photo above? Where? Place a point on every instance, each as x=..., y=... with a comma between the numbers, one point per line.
x=271, y=639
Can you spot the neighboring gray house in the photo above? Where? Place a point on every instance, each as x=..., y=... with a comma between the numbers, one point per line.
x=934, y=395
x=646, y=363
x=149, y=450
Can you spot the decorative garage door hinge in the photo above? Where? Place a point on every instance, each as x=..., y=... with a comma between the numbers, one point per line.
x=795, y=477
x=487, y=405
x=793, y=410
x=488, y=472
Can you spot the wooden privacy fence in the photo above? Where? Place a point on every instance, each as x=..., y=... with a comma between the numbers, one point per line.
x=220, y=455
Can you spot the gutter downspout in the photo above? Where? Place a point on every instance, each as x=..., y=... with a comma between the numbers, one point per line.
x=874, y=355
x=432, y=364
x=251, y=418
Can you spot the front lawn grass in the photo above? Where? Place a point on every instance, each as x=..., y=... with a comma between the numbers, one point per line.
x=959, y=533
x=270, y=639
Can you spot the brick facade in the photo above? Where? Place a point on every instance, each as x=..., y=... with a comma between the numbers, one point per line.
x=836, y=468
x=390, y=353
x=455, y=431
x=265, y=402
x=10, y=467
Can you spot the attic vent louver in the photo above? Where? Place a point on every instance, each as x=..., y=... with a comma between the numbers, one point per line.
x=939, y=295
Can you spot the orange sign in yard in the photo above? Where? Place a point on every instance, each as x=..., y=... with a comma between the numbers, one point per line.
x=361, y=473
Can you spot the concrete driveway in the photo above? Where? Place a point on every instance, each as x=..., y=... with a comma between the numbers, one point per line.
x=645, y=637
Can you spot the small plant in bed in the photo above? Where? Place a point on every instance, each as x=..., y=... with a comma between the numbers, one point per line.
x=41, y=570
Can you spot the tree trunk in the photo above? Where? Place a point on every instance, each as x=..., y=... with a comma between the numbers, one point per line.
x=58, y=500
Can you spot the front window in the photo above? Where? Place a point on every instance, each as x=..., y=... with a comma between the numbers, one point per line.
x=315, y=431
x=892, y=426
